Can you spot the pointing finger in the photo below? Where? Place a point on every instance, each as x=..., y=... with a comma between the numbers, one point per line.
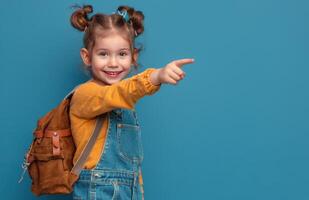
x=181, y=62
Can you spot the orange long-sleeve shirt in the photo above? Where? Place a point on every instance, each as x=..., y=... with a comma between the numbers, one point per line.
x=91, y=99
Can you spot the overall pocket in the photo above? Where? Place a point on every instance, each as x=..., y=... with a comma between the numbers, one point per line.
x=129, y=142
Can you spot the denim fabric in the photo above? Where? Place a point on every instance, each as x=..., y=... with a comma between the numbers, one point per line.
x=116, y=174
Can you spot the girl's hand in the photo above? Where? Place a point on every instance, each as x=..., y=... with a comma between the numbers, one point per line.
x=171, y=73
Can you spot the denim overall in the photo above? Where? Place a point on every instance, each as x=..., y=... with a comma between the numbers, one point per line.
x=116, y=174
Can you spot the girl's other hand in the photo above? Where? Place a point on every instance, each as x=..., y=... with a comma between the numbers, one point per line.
x=171, y=73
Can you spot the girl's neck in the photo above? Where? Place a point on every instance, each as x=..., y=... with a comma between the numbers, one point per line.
x=97, y=82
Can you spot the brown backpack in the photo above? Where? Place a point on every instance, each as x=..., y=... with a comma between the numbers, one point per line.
x=49, y=160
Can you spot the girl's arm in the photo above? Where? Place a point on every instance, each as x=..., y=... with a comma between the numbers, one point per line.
x=92, y=99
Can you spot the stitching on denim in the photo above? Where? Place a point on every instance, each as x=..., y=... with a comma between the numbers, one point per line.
x=127, y=182
x=116, y=190
x=115, y=171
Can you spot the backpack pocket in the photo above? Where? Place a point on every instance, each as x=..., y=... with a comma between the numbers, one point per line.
x=49, y=172
x=44, y=163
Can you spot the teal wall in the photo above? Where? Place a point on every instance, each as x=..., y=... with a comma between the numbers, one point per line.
x=235, y=128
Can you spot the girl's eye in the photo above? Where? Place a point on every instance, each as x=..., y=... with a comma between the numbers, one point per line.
x=103, y=54
x=123, y=53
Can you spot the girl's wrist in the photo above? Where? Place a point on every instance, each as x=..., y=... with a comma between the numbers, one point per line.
x=154, y=77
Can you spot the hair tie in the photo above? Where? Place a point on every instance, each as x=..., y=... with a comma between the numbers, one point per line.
x=88, y=16
x=124, y=15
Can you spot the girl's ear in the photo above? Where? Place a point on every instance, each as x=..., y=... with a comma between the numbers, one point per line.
x=85, y=56
x=135, y=56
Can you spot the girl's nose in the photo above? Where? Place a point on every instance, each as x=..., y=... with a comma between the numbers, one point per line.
x=112, y=61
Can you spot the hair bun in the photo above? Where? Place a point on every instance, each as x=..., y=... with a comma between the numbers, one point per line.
x=136, y=17
x=79, y=18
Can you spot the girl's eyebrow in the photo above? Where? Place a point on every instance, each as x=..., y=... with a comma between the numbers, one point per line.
x=108, y=49
x=125, y=49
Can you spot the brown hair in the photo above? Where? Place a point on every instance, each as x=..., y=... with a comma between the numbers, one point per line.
x=100, y=25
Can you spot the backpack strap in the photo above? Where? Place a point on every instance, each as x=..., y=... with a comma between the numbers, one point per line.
x=87, y=149
x=71, y=92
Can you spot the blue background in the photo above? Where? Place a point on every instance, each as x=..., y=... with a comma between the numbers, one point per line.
x=235, y=128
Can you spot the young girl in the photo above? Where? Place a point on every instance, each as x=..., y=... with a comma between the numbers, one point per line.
x=113, y=168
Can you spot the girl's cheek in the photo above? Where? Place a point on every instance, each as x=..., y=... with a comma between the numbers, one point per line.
x=126, y=63
x=101, y=61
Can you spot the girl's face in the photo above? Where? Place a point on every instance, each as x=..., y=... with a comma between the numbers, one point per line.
x=111, y=59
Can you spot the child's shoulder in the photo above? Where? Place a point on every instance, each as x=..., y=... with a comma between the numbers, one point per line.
x=87, y=88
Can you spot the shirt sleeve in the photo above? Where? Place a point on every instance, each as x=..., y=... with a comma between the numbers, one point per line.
x=91, y=100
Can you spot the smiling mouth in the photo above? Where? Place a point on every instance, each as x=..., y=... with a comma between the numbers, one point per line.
x=112, y=74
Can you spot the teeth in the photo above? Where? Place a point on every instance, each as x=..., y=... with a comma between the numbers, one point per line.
x=112, y=73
